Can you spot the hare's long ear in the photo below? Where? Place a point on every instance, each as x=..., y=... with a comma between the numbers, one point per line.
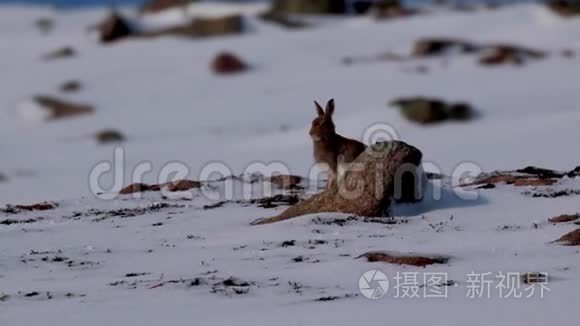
x=319, y=109
x=329, y=109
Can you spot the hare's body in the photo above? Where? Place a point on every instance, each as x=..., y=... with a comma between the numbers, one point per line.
x=330, y=148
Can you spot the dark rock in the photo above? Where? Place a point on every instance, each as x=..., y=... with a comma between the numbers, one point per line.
x=387, y=9
x=430, y=110
x=60, y=53
x=422, y=110
x=115, y=27
x=108, y=136
x=44, y=24
x=369, y=189
x=71, y=86
x=574, y=173
x=565, y=8
x=438, y=46
x=461, y=112
x=568, y=53
x=309, y=6
x=541, y=172
x=362, y=7
x=227, y=63
x=283, y=20
x=59, y=109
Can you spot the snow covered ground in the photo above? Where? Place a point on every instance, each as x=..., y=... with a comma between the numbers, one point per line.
x=170, y=260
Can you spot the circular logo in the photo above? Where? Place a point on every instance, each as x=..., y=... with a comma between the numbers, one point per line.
x=373, y=284
x=378, y=133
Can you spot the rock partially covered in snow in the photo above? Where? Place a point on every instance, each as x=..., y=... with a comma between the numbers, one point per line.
x=385, y=172
x=570, y=239
x=387, y=9
x=51, y=108
x=113, y=28
x=565, y=218
x=153, y=6
x=509, y=54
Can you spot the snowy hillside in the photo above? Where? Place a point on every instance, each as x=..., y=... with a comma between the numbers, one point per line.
x=95, y=258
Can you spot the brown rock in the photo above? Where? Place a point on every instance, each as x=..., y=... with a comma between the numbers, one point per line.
x=438, y=46
x=114, y=28
x=138, y=187
x=564, y=218
x=227, y=63
x=508, y=54
x=71, y=86
x=285, y=181
x=153, y=6
x=183, y=185
x=60, y=109
x=570, y=239
x=60, y=53
x=376, y=178
x=521, y=182
x=411, y=260
x=362, y=7
x=37, y=207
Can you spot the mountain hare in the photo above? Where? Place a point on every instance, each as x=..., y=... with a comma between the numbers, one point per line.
x=331, y=148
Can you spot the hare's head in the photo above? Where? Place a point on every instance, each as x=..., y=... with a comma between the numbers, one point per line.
x=322, y=126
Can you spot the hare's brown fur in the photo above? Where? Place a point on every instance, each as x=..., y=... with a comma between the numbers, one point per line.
x=329, y=147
